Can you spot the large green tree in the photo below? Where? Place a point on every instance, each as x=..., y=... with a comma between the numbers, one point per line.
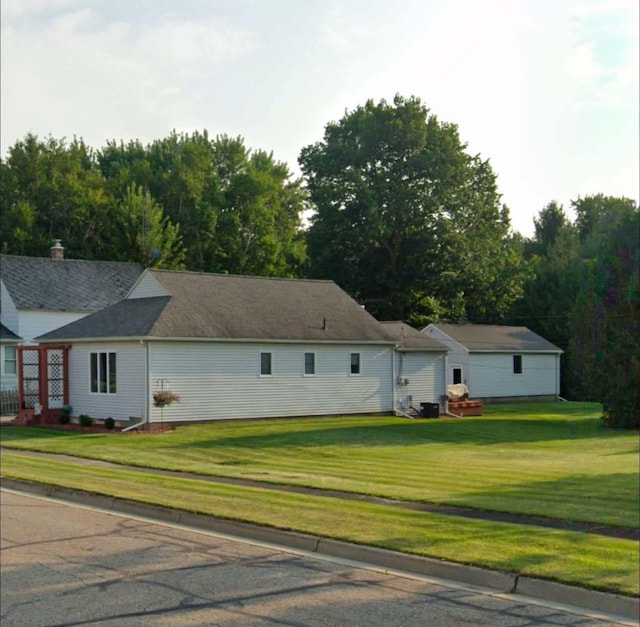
x=237, y=209
x=584, y=295
x=51, y=189
x=212, y=205
x=604, y=348
x=406, y=220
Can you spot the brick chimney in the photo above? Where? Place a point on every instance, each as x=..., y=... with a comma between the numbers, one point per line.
x=57, y=250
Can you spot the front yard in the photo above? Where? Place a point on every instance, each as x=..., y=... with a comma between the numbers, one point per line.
x=554, y=460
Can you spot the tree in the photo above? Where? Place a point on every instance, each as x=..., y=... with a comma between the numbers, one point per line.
x=144, y=235
x=605, y=346
x=237, y=210
x=549, y=225
x=259, y=228
x=406, y=220
x=584, y=296
x=52, y=190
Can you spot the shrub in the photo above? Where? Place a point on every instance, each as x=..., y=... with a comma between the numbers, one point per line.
x=65, y=416
x=109, y=423
x=85, y=421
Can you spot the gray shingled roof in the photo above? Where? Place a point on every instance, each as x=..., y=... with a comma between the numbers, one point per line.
x=233, y=307
x=491, y=338
x=8, y=334
x=410, y=339
x=66, y=284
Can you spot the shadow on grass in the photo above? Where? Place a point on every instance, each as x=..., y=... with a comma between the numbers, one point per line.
x=610, y=499
x=477, y=430
x=18, y=434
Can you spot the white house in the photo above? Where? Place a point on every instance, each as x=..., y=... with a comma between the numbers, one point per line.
x=39, y=294
x=241, y=347
x=499, y=362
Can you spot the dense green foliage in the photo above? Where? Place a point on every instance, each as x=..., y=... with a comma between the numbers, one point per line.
x=182, y=201
x=584, y=295
x=406, y=220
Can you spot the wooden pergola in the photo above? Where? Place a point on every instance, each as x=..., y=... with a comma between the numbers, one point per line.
x=43, y=383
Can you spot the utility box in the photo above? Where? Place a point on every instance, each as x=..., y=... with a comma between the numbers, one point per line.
x=430, y=410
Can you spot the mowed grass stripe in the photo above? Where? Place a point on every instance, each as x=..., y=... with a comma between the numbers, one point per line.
x=552, y=459
x=575, y=558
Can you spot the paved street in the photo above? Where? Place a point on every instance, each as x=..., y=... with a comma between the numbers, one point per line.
x=66, y=565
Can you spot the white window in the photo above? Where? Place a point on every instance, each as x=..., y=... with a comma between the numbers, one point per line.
x=10, y=362
x=309, y=363
x=265, y=364
x=517, y=364
x=355, y=363
x=102, y=372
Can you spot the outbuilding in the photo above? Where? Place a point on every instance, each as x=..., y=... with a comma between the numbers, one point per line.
x=499, y=362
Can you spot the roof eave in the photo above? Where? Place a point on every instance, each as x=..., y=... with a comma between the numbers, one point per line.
x=155, y=338
x=555, y=351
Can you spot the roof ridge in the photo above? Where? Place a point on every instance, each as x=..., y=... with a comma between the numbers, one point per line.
x=67, y=259
x=239, y=276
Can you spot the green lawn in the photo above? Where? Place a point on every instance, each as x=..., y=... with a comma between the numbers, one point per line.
x=575, y=558
x=553, y=459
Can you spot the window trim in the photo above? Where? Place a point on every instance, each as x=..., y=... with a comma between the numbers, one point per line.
x=304, y=364
x=13, y=361
x=518, y=367
x=351, y=372
x=107, y=361
x=260, y=364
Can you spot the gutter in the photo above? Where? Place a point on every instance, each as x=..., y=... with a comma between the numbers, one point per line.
x=393, y=377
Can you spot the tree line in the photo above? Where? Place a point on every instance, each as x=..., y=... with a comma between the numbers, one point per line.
x=391, y=206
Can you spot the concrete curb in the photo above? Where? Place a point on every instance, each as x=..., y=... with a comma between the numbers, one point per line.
x=503, y=582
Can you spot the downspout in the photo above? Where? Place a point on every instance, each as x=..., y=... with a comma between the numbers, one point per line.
x=558, y=397
x=393, y=378
x=145, y=412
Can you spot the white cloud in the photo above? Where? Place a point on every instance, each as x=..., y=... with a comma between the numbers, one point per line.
x=109, y=78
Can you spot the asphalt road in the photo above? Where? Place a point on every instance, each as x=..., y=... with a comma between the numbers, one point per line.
x=62, y=564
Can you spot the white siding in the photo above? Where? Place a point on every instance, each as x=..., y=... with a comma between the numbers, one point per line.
x=8, y=311
x=147, y=286
x=458, y=355
x=425, y=374
x=221, y=380
x=493, y=375
x=129, y=401
x=35, y=323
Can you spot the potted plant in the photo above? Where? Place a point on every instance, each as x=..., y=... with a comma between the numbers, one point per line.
x=163, y=398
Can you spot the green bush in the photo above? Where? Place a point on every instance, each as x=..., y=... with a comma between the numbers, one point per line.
x=85, y=421
x=109, y=423
x=65, y=417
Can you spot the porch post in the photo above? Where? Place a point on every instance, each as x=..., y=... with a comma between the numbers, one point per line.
x=43, y=375
x=65, y=375
x=20, y=381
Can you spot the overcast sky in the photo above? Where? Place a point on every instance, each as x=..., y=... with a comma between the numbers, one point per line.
x=545, y=89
